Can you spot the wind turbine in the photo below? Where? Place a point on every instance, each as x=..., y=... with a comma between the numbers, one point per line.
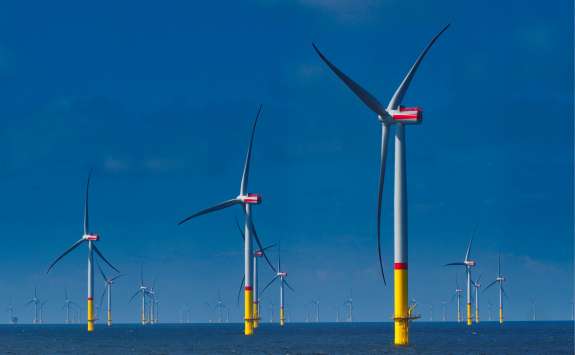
x=468, y=264
x=10, y=309
x=280, y=275
x=35, y=301
x=316, y=304
x=42, y=311
x=107, y=290
x=394, y=113
x=89, y=238
x=499, y=279
x=67, y=304
x=476, y=286
x=260, y=252
x=142, y=290
x=245, y=200
x=458, y=291
x=444, y=311
x=349, y=305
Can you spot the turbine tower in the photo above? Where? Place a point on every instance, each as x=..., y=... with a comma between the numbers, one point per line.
x=349, y=307
x=394, y=113
x=281, y=275
x=457, y=294
x=500, y=280
x=245, y=200
x=107, y=291
x=91, y=239
x=67, y=304
x=468, y=264
x=143, y=291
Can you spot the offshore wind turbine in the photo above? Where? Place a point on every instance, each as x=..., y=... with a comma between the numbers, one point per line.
x=42, y=304
x=245, y=200
x=349, y=306
x=67, y=304
x=394, y=113
x=143, y=291
x=476, y=286
x=35, y=301
x=259, y=253
x=280, y=275
x=457, y=294
x=500, y=279
x=108, y=282
x=468, y=264
x=90, y=238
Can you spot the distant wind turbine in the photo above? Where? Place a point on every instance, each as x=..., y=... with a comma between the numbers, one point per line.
x=500, y=280
x=476, y=286
x=108, y=282
x=35, y=301
x=280, y=275
x=142, y=291
x=89, y=238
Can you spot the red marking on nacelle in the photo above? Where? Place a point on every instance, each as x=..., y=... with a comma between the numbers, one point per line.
x=253, y=199
x=400, y=266
x=284, y=274
x=259, y=253
x=92, y=237
x=408, y=114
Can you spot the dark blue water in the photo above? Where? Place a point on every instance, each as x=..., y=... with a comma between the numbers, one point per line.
x=304, y=338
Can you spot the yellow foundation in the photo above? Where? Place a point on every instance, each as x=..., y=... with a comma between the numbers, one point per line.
x=500, y=315
x=248, y=312
x=476, y=315
x=90, y=315
x=282, y=317
x=469, y=317
x=256, y=315
x=401, y=316
x=109, y=318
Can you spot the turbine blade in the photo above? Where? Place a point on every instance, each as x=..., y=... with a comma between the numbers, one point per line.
x=102, y=297
x=239, y=228
x=117, y=276
x=269, y=247
x=499, y=265
x=74, y=246
x=241, y=288
x=488, y=286
x=268, y=285
x=368, y=99
x=384, y=139
x=253, y=229
x=103, y=258
x=86, y=225
x=246, y=173
x=469, y=245
x=101, y=271
x=279, y=258
x=401, y=90
x=504, y=293
x=288, y=285
x=134, y=296
x=458, y=263
x=217, y=207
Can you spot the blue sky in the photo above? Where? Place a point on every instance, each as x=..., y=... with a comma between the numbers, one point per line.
x=158, y=99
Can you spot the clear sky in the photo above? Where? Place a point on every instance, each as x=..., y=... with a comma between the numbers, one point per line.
x=158, y=98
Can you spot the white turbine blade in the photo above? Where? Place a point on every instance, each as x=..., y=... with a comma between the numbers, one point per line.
x=457, y=263
x=241, y=288
x=102, y=297
x=86, y=224
x=74, y=246
x=491, y=284
x=368, y=99
x=401, y=90
x=246, y=173
x=103, y=258
x=468, y=249
x=268, y=285
x=134, y=296
x=288, y=285
x=117, y=276
x=384, y=139
x=499, y=266
x=239, y=228
x=101, y=271
x=217, y=207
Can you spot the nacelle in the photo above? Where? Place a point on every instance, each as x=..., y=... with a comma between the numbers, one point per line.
x=259, y=253
x=407, y=115
x=92, y=237
x=282, y=274
x=470, y=263
x=500, y=278
x=251, y=199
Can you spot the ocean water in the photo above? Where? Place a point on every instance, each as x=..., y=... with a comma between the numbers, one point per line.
x=294, y=338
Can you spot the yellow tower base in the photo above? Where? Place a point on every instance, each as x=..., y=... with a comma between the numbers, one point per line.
x=469, y=318
x=476, y=315
x=401, y=316
x=248, y=311
x=256, y=314
x=500, y=315
x=282, y=317
x=109, y=318
x=90, y=314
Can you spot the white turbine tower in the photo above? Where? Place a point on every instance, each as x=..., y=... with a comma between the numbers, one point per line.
x=143, y=291
x=396, y=114
x=35, y=301
x=91, y=239
x=245, y=200
x=476, y=286
x=468, y=264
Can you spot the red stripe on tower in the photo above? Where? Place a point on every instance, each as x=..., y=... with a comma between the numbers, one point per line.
x=400, y=266
x=248, y=288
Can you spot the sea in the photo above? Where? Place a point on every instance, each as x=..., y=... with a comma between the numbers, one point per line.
x=295, y=338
